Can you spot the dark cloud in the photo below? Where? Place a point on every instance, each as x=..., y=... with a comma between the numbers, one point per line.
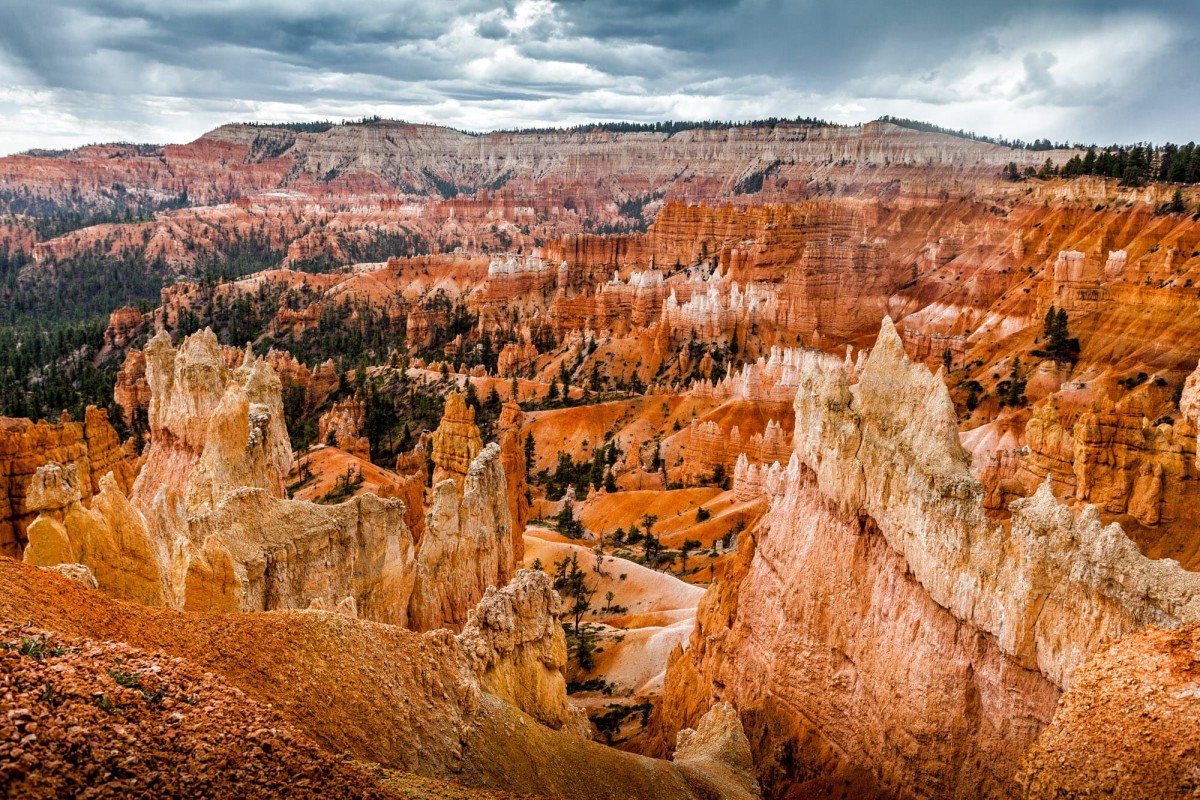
x=77, y=70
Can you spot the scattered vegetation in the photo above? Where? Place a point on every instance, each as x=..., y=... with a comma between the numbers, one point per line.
x=1060, y=346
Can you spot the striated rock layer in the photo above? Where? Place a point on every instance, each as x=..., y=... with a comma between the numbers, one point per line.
x=880, y=629
x=208, y=526
x=91, y=446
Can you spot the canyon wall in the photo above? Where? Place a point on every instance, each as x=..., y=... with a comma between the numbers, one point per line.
x=880, y=629
x=90, y=446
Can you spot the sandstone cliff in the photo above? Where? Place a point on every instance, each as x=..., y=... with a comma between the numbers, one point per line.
x=91, y=446
x=456, y=442
x=206, y=525
x=881, y=532
x=467, y=545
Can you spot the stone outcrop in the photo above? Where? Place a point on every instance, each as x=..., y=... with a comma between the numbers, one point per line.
x=709, y=447
x=751, y=480
x=341, y=426
x=132, y=391
x=413, y=473
x=1127, y=727
x=206, y=526
x=124, y=325
x=90, y=446
x=456, y=442
x=517, y=648
x=881, y=531
x=1113, y=457
x=212, y=429
x=467, y=544
x=516, y=359
x=108, y=540
x=512, y=454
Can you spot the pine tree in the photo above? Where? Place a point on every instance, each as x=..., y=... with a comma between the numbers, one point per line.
x=1014, y=388
x=1176, y=205
x=570, y=581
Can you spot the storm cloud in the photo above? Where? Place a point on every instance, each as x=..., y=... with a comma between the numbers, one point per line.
x=76, y=71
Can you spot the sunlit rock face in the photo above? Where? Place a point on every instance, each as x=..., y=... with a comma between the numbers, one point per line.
x=456, y=442
x=208, y=525
x=467, y=545
x=91, y=446
x=882, y=630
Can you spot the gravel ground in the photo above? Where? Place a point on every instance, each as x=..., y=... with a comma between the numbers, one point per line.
x=87, y=719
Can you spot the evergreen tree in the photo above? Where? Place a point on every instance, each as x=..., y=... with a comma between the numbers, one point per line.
x=570, y=581
x=1176, y=205
x=530, y=449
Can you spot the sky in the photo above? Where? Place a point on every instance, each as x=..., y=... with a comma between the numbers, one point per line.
x=74, y=72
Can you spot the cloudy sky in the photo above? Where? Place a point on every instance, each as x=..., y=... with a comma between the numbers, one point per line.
x=80, y=71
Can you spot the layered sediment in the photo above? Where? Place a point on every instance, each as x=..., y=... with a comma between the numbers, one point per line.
x=881, y=532
x=90, y=446
x=208, y=525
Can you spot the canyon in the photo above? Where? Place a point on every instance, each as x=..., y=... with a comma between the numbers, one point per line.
x=785, y=461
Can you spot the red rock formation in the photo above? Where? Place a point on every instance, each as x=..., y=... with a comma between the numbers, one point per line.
x=516, y=359
x=414, y=474
x=512, y=454
x=131, y=392
x=341, y=426
x=881, y=531
x=709, y=446
x=124, y=325
x=91, y=447
x=456, y=442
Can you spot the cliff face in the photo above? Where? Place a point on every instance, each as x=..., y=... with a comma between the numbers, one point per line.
x=90, y=446
x=880, y=532
x=456, y=442
x=467, y=545
x=207, y=526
